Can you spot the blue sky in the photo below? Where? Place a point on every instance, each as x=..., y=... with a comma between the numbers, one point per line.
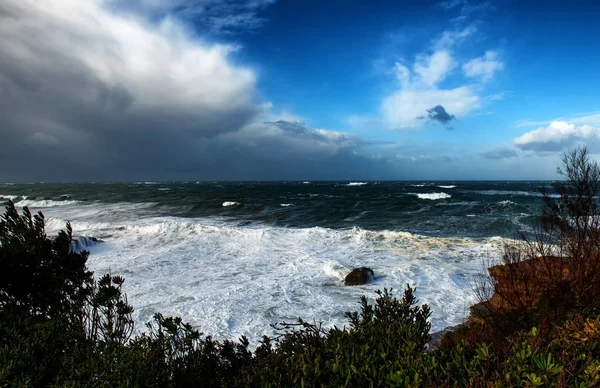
x=331, y=63
x=274, y=90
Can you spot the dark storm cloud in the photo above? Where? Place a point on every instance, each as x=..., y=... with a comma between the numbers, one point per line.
x=106, y=97
x=438, y=113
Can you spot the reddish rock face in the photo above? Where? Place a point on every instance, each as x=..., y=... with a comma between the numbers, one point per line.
x=522, y=285
x=359, y=276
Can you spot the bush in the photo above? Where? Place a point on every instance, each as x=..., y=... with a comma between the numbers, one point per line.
x=40, y=275
x=382, y=339
x=544, y=277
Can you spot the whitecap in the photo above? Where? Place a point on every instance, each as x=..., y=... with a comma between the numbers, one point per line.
x=285, y=204
x=44, y=203
x=505, y=203
x=230, y=203
x=432, y=196
x=231, y=280
x=447, y=187
x=515, y=193
x=356, y=184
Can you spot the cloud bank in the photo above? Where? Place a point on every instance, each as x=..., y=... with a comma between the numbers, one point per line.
x=92, y=91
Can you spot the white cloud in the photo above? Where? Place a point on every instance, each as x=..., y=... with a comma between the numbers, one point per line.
x=450, y=38
x=557, y=136
x=434, y=68
x=101, y=92
x=424, y=158
x=484, y=67
x=403, y=108
x=592, y=119
x=402, y=73
x=449, y=4
x=84, y=54
x=421, y=86
x=419, y=92
x=210, y=16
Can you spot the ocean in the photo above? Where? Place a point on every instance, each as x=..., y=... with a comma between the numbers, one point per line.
x=234, y=258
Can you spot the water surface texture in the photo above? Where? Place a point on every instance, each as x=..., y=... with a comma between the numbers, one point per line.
x=233, y=258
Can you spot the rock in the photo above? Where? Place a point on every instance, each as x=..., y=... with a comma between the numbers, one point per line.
x=524, y=283
x=359, y=276
x=435, y=339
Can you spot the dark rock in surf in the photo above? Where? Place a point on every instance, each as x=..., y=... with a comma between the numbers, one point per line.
x=80, y=243
x=358, y=276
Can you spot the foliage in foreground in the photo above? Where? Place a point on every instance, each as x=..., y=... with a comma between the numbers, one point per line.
x=60, y=327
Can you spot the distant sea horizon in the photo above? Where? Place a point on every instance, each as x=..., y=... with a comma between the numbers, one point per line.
x=233, y=257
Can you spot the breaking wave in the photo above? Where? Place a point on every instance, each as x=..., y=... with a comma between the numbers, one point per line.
x=35, y=203
x=432, y=196
x=233, y=279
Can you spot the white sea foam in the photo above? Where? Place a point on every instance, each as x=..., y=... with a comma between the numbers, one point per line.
x=230, y=280
x=447, y=187
x=506, y=203
x=285, y=204
x=356, y=184
x=432, y=196
x=11, y=197
x=514, y=193
x=306, y=182
x=418, y=185
x=44, y=203
x=230, y=203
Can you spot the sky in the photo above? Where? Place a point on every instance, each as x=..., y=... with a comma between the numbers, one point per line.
x=190, y=90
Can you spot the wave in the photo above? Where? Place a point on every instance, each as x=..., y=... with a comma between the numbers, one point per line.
x=11, y=197
x=164, y=189
x=461, y=203
x=306, y=183
x=285, y=204
x=230, y=203
x=447, y=187
x=432, y=196
x=233, y=279
x=80, y=243
x=419, y=185
x=357, y=183
x=513, y=193
x=506, y=203
x=44, y=203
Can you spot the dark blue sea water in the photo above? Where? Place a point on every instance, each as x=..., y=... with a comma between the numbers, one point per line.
x=472, y=209
x=232, y=258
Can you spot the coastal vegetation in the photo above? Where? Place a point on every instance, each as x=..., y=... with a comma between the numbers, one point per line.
x=537, y=323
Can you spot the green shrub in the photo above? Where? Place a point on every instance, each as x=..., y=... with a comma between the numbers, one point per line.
x=41, y=275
